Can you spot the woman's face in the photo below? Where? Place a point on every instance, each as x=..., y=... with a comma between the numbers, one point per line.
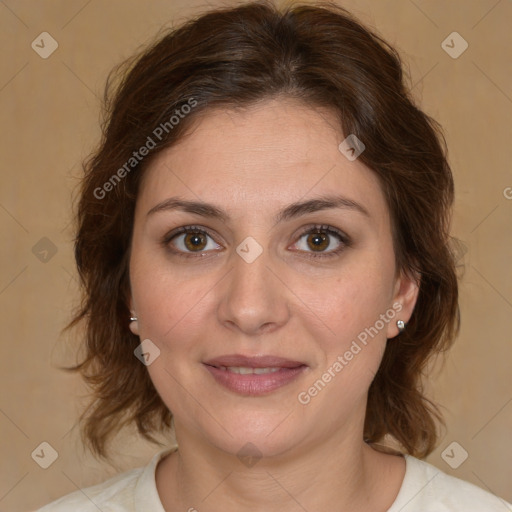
x=254, y=286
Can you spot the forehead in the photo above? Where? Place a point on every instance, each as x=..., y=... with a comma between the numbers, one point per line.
x=270, y=154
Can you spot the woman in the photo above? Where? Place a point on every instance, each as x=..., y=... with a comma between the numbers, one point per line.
x=263, y=240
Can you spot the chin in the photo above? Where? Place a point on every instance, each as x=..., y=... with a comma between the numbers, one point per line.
x=252, y=433
x=254, y=445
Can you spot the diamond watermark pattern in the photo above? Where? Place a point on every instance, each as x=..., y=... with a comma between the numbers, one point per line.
x=44, y=250
x=44, y=45
x=351, y=147
x=147, y=352
x=249, y=455
x=45, y=455
x=454, y=45
x=249, y=249
x=454, y=455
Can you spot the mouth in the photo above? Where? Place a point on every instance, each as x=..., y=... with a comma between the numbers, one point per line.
x=245, y=370
x=254, y=362
x=254, y=376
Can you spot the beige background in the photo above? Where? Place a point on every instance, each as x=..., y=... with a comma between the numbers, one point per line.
x=50, y=122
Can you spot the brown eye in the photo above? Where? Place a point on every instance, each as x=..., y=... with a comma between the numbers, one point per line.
x=322, y=241
x=190, y=241
x=195, y=241
x=318, y=241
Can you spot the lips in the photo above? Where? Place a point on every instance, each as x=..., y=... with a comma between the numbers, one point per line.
x=255, y=375
x=235, y=360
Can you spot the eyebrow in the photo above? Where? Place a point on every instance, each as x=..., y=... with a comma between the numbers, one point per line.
x=287, y=213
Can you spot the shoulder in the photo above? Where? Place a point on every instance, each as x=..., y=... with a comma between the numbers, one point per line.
x=429, y=489
x=118, y=490
x=130, y=491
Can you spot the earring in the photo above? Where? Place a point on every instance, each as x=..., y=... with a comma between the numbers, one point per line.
x=133, y=319
x=401, y=326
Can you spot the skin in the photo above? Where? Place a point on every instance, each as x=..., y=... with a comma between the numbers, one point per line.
x=287, y=303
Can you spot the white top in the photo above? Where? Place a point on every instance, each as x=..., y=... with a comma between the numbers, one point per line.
x=424, y=489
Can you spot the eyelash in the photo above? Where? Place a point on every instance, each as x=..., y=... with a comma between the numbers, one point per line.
x=344, y=239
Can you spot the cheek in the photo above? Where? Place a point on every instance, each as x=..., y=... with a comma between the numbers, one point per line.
x=153, y=287
x=352, y=344
x=173, y=315
x=347, y=304
x=352, y=335
x=169, y=308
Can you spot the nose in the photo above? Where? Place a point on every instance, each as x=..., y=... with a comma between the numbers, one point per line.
x=254, y=300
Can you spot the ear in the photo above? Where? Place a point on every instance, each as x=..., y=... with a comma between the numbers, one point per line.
x=134, y=325
x=405, y=294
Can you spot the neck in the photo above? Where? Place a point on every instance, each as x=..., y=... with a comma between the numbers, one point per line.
x=338, y=471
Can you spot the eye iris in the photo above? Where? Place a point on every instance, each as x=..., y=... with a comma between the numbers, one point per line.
x=195, y=241
x=319, y=240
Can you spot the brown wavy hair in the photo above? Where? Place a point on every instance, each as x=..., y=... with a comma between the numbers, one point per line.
x=229, y=58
